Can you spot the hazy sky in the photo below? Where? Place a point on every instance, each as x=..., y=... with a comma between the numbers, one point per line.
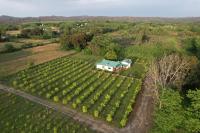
x=162, y=8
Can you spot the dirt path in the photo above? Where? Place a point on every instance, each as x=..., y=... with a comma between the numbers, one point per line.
x=140, y=119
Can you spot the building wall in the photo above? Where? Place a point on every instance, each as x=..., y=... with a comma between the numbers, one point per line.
x=107, y=68
x=127, y=64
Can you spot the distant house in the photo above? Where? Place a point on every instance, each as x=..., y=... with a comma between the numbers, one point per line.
x=114, y=65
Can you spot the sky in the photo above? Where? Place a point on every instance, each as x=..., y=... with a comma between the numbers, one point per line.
x=137, y=8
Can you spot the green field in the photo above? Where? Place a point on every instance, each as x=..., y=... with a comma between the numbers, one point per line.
x=75, y=83
x=21, y=116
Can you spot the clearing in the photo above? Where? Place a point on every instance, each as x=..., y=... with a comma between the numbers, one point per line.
x=13, y=62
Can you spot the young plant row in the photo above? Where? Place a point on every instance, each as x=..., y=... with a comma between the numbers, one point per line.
x=76, y=84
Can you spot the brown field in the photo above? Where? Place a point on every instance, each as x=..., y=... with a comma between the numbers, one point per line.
x=13, y=62
x=13, y=33
x=21, y=42
x=34, y=40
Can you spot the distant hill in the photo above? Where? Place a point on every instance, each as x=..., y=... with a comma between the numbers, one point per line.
x=10, y=19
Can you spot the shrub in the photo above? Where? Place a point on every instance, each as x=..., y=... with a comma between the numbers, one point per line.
x=96, y=113
x=64, y=101
x=123, y=122
x=74, y=105
x=55, y=98
x=15, y=83
x=48, y=95
x=9, y=48
x=109, y=118
x=84, y=109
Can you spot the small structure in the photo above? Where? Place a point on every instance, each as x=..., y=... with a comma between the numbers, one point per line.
x=111, y=66
x=126, y=63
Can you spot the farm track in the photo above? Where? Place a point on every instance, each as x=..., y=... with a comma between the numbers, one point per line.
x=140, y=119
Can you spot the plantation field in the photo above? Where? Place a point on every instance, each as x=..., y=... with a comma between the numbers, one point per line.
x=75, y=83
x=21, y=116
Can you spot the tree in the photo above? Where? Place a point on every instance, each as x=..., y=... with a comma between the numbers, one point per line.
x=171, y=116
x=170, y=70
x=111, y=55
x=192, y=122
x=75, y=41
x=9, y=48
x=145, y=38
x=65, y=42
x=193, y=80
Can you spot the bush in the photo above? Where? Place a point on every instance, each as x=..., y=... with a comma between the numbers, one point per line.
x=64, y=101
x=55, y=99
x=30, y=64
x=109, y=118
x=9, y=48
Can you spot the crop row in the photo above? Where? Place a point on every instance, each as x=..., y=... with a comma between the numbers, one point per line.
x=75, y=83
x=21, y=116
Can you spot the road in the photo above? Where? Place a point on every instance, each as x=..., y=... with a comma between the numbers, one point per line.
x=140, y=119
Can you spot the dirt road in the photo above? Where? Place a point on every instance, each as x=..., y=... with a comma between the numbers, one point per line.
x=141, y=118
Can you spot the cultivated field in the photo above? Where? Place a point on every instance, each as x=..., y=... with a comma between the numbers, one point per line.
x=20, y=115
x=73, y=82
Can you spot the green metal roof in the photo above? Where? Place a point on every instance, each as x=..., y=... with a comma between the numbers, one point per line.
x=110, y=63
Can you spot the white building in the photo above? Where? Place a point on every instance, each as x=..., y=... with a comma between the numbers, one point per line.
x=114, y=65
x=126, y=63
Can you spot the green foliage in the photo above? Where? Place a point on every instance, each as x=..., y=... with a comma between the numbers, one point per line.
x=109, y=118
x=25, y=116
x=145, y=38
x=31, y=64
x=105, y=46
x=170, y=116
x=192, y=46
x=55, y=98
x=9, y=48
x=192, y=123
x=84, y=109
x=27, y=33
x=73, y=81
x=149, y=51
x=111, y=55
x=76, y=41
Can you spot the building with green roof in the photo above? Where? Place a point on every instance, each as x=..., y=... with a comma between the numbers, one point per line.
x=111, y=66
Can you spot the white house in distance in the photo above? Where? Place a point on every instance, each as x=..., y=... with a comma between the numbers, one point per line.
x=111, y=66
